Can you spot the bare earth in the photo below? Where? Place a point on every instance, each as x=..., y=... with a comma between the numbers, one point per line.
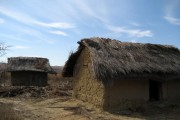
x=64, y=108
x=56, y=103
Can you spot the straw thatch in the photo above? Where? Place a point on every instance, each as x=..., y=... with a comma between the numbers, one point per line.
x=29, y=64
x=112, y=59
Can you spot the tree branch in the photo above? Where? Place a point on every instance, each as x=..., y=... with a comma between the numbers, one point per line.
x=3, y=49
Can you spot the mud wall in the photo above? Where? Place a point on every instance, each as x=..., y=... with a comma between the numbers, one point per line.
x=85, y=86
x=123, y=94
x=171, y=90
x=126, y=94
x=28, y=78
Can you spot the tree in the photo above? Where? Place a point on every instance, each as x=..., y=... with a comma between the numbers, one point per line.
x=3, y=49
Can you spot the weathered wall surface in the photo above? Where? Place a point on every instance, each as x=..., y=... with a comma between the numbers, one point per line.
x=122, y=94
x=85, y=86
x=28, y=78
x=126, y=93
x=171, y=90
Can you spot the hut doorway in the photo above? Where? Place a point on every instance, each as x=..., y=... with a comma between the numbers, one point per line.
x=154, y=90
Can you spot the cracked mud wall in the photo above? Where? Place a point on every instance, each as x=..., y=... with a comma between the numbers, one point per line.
x=85, y=86
x=126, y=94
x=123, y=94
x=171, y=90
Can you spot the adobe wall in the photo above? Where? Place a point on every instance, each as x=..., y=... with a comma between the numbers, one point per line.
x=28, y=78
x=171, y=90
x=85, y=87
x=123, y=94
x=126, y=94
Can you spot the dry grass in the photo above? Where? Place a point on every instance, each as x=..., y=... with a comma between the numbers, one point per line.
x=54, y=80
x=7, y=112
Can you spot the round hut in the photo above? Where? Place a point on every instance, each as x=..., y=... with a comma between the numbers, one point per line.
x=29, y=71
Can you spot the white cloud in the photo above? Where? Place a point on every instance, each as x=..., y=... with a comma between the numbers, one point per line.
x=37, y=36
x=40, y=37
x=16, y=15
x=21, y=47
x=93, y=10
x=131, y=32
x=1, y=21
x=172, y=20
x=24, y=18
x=58, y=33
x=171, y=10
x=12, y=37
x=55, y=25
x=135, y=24
x=133, y=41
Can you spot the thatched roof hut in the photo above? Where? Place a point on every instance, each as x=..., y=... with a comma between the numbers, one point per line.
x=3, y=67
x=111, y=61
x=29, y=70
x=29, y=64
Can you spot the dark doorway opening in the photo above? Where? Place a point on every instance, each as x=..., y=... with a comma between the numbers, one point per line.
x=154, y=90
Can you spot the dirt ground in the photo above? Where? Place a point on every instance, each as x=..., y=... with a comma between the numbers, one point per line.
x=55, y=102
x=66, y=108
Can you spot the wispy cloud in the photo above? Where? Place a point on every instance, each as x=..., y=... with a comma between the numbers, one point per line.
x=172, y=20
x=135, y=24
x=29, y=26
x=1, y=21
x=131, y=32
x=26, y=19
x=171, y=9
x=133, y=41
x=21, y=47
x=34, y=36
x=58, y=33
x=16, y=15
x=87, y=9
x=40, y=36
x=55, y=25
x=12, y=37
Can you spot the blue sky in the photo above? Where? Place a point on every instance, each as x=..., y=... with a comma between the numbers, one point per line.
x=51, y=28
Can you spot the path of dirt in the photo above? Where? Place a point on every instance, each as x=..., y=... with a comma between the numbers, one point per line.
x=56, y=103
x=49, y=109
x=58, y=109
x=71, y=109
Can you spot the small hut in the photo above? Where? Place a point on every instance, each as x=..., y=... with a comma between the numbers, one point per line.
x=113, y=74
x=2, y=72
x=29, y=71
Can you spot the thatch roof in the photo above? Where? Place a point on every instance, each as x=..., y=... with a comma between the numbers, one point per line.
x=29, y=64
x=112, y=59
